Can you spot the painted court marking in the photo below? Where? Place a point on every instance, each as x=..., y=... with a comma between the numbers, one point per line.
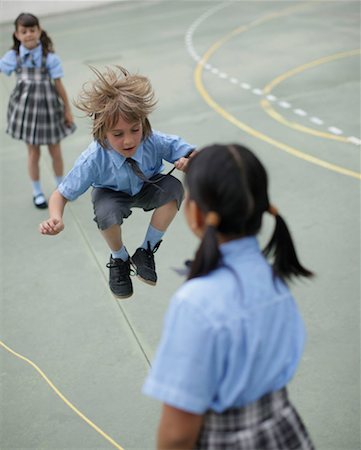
x=204, y=64
x=61, y=396
x=334, y=132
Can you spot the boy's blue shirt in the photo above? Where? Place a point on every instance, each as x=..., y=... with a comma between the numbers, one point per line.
x=105, y=168
x=53, y=64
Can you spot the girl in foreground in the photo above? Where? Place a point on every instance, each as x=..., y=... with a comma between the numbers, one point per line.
x=233, y=336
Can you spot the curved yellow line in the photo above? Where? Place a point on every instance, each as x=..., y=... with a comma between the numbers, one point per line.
x=266, y=105
x=241, y=125
x=62, y=397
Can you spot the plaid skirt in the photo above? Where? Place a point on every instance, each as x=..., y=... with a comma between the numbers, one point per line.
x=35, y=112
x=270, y=423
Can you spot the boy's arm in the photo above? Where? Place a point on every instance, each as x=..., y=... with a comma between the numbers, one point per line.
x=54, y=225
x=178, y=430
x=60, y=89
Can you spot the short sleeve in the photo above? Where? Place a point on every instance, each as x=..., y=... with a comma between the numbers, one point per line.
x=173, y=147
x=189, y=362
x=8, y=62
x=53, y=64
x=78, y=180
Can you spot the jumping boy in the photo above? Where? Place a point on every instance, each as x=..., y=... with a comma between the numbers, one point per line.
x=123, y=164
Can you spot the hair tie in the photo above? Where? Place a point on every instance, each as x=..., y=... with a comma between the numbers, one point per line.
x=212, y=219
x=272, y=210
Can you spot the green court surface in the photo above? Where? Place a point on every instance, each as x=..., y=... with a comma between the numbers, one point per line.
x=280, y=77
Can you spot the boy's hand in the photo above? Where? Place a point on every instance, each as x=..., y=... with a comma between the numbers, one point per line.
x=182, y=163
x=51, y=226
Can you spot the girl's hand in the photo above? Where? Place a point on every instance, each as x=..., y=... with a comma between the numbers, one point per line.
x=68, y=116
x=51, y=227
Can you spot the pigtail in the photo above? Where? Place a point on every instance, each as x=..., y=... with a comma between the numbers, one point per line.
x=16, y=44
x=281, y=248
x=207, y=256
x=46, y=43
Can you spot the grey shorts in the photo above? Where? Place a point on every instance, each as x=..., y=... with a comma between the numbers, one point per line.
x=112, y=207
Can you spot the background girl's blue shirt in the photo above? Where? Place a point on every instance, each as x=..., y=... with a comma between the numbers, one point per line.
x=53, y=64
x=228, y=338
x=106, y=168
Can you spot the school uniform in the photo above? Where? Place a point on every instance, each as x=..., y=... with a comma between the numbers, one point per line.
x=35, y=112
x=116, y=187
x=232, y=341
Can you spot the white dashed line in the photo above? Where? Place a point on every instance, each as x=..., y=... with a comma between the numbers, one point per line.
x=257, y=91
x=300, y=112
x=271, y=98
x=354, y=140
x=316, y=120
x=284, y=104
x=335, y=130
x=245, y=86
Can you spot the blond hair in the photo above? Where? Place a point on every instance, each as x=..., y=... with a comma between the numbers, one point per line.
x=114, y=95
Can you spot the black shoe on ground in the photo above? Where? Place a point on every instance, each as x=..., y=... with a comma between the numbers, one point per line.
x=143, y=261
x=119, y=277
x=40, y=202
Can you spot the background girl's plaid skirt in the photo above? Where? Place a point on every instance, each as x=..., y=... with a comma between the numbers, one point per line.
x=35, y=113
x=270, y=423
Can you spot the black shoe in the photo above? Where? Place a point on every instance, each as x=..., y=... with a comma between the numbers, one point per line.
x=119, y=277
x=41, y=205
x=143, y=261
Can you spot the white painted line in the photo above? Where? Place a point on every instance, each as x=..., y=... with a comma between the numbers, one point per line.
x=245, y=86
x=354, y=140
x=300, y=112
x=208, y=66
x=234, y=80
x=215, y=70
x=316, y=120
x=271, y=98
x=223, y=75
x=284, y=104
x=335, y=130
x=257, y=91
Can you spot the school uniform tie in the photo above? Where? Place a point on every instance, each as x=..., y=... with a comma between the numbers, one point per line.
x=136, y=169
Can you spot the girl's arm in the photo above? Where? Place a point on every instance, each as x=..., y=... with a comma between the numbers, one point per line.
x=60, y=89
x=178, y=430
x=54, y=225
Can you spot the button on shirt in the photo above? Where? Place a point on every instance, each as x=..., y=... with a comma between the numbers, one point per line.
x=228, y=338
x=8, y=62
x=106, y=168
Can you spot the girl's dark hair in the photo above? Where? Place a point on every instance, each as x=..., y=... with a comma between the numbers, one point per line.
x=231, y=181
x=29, y=20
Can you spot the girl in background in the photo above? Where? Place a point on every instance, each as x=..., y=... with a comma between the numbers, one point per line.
x=39, y=112
x=233, y=337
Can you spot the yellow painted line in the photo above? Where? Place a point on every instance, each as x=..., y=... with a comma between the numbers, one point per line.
x=246, y=128
x=62, y=397
x=266, y=105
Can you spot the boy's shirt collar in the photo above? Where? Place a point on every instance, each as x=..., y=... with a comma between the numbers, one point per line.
x=119, y=159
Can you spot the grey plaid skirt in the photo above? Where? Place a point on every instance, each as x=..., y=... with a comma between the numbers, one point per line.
x=35, y=112
x=270, y=423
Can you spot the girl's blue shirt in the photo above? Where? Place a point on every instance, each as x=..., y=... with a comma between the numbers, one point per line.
x=104, y=167
x=53, y=64
x=229, y=337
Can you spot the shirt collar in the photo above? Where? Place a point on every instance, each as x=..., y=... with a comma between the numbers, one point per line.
x=23, y=51
x=242, y=246
x=119, y=159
